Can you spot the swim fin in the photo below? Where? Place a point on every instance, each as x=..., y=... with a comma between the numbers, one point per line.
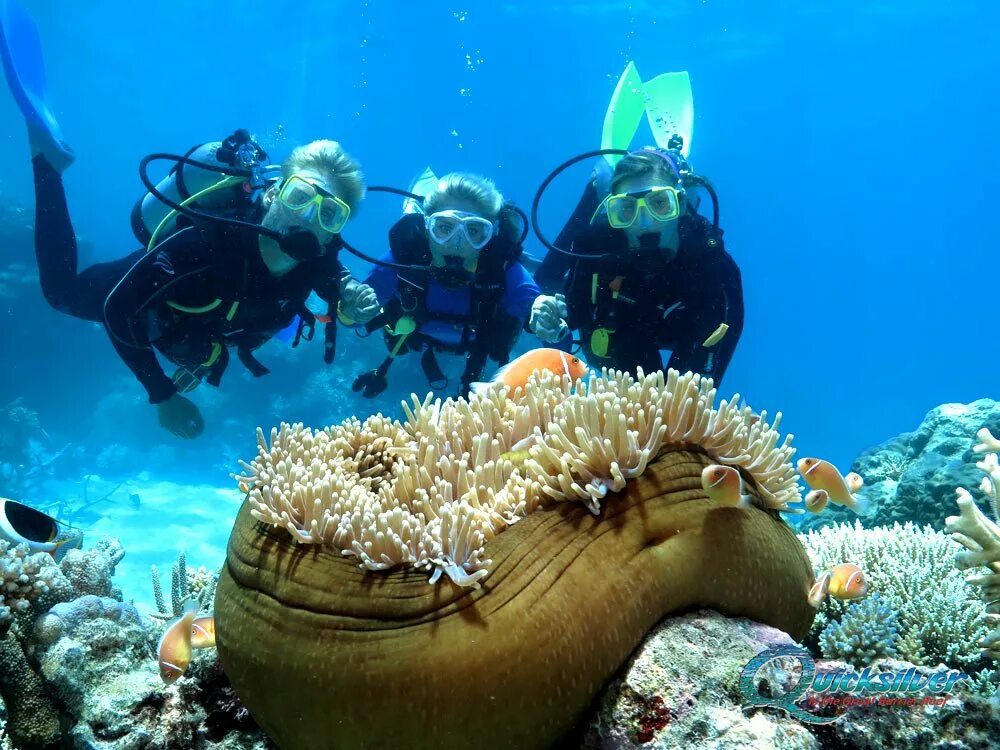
x=420, y=186
x=670, y=108
x=624, y=112
x=21, y=54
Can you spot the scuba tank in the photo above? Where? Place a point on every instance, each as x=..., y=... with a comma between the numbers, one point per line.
x=243, y=170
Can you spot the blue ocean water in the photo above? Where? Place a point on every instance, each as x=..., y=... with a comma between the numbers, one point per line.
x=852, y=145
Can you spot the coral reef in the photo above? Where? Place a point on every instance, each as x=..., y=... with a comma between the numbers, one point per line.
x=967, y=720
x=199, y=584
x=78, y=668
x=981, y=537
x=64, y=619
x=569, y=594
x=680, y=688
x=24, y=577
x=908, y=477
x=867, y=631
x=20, y=454
x=912, y=570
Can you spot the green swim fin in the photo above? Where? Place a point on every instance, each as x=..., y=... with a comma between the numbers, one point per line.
x=670, y=108
x=420, y=186
x=624, y=112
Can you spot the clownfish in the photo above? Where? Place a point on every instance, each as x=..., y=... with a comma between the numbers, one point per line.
x=822, y=475
x=203, y=632
x=816, y=500
x=515, y=374
x=854, y=482
x=174, y=649
x=844, y=581
x=724, y=485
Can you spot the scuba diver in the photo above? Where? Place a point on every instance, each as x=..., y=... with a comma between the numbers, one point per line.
x=210, y=286
x=205, y=282
x=457, y=286
x=636, y=268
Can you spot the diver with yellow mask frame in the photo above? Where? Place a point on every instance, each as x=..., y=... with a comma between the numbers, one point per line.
x=636, y=268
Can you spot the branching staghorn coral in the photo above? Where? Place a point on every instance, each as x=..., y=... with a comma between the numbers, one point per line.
x=912, y=569
x=981, y=537
x=198, y=584
x=431, y=492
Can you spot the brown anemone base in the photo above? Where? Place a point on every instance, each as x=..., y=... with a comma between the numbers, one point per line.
x=325, y=655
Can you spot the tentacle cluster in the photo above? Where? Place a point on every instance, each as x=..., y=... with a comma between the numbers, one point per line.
x=432, y=491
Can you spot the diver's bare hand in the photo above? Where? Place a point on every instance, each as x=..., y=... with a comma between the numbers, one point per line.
x=180, y=416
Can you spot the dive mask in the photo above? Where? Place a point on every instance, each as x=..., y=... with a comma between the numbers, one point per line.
x=661, y=202
x=299, y=195
x=444, y=225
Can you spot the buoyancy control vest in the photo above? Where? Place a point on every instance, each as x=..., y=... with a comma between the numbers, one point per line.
x=486, y=332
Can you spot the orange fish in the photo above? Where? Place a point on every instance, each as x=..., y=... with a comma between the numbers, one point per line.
x=174, y=650
x=844, y=581
x=321, y=318
x=724, y=485
x=203, y=632
x=848, y=581
x=822, y=475
x=816, y=501
x=515, y=374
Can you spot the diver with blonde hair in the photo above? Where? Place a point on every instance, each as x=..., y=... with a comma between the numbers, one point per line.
x=206, y=283
x=452, y=281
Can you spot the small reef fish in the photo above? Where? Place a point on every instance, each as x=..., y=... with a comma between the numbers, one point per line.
x=203, y=632
x=174, y=649
x=724, y=485
x=854, y=482
x=520, y=451
x=844, y=581
x=816, y=500
x=515, y=374
x=822, y=475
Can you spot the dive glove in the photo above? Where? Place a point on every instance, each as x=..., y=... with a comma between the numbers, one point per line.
x=358, y=302
x=548, y=318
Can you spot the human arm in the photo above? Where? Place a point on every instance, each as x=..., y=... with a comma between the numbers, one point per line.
x=178, y=264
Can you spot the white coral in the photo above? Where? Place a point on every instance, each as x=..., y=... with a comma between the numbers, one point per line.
x=24, y=576
x=981, y=537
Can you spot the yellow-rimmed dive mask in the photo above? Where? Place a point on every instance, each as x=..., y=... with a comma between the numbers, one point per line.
x=298, y=194
x=661, y=202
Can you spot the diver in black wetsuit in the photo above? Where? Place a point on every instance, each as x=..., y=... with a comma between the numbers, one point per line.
x=659, y=276
x=210, y=286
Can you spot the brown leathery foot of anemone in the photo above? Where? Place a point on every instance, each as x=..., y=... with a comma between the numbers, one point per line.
x=327, y=655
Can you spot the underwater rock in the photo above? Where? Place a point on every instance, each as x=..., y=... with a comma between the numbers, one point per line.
x=680, y=688
x=63, y=618
x=966, y=721
x=90, y=570
x=912, y=476
x=103, y=672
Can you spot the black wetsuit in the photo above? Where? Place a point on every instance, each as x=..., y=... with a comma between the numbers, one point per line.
x=661, y=304
x=198, y=293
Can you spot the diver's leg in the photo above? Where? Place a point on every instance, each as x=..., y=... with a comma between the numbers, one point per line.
x=79, y=295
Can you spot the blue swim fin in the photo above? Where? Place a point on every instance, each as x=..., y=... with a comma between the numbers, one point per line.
x=21, y=54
